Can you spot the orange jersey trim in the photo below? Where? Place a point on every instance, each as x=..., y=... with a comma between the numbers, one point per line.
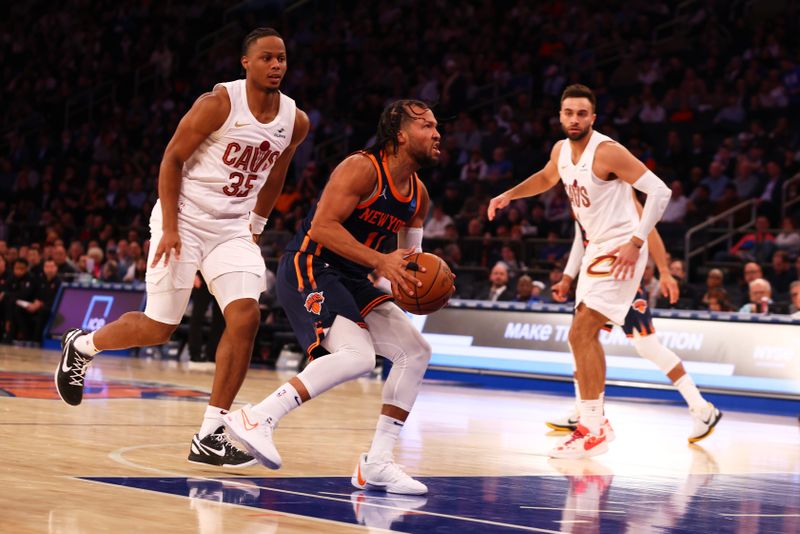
x=395, y=192
x=379, y=186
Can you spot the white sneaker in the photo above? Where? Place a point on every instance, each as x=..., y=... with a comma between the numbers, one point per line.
x=565, y=423
x=703, y=423
x=385, y=476
x=255, y=435
x=581, y=444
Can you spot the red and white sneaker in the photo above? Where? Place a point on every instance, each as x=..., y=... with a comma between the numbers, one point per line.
x=569, y=422
x=581, y=444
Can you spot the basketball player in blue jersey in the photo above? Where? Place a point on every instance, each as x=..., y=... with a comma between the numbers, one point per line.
x=339, y=318
x=220, y=176
x=638, y=326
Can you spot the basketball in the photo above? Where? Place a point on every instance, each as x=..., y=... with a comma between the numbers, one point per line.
x=437, y=285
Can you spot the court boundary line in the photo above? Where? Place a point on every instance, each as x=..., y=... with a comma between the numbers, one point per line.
x=118, y=456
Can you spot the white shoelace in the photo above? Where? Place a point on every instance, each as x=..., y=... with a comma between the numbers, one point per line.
x=79, y=369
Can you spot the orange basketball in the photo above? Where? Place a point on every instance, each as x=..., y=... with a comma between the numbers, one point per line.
x=436, y=285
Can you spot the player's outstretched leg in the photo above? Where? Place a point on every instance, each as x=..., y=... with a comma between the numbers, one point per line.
x=78, y=348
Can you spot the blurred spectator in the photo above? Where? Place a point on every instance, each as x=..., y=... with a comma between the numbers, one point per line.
x=678, y=204
x=714, y=281
x=528, y=290
x=436, y=225
x=497, y=288
x=757, y=245
x=717, y=300
x=554, y=249
x=46, y=290
x=760, y=297
x=794, y=293
x=715, y=181
x=789, y=237
x=65, y=267
x=475, y=169
x=769, y=196
x=744, y=179
x=780, y=273
x=688, y=298
x=20, y=294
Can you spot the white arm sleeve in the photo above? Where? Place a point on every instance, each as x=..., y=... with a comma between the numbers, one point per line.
x=575, y=254
x=410, y=238
x=658, y=195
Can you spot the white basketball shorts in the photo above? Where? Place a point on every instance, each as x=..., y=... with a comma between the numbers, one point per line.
x=599, y=290
x=209, y=245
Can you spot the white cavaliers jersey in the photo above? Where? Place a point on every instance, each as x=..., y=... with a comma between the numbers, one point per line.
x=226, y=172
x=604, y=208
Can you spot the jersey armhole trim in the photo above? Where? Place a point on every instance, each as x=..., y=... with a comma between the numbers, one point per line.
x=377, y=192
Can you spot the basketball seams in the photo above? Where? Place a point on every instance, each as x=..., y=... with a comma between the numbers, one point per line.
x=433, y=279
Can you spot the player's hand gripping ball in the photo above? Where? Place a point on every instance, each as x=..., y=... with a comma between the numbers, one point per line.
x=436, y=289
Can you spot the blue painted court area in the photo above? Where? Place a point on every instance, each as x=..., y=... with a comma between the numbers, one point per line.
x=596, y=501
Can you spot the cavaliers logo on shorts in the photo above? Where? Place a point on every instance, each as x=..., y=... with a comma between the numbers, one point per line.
x=601, y=266
x=314, y=302
x=640, y=305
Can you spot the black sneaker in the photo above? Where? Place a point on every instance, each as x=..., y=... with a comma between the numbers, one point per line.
x=71, y=369
x=216, y=449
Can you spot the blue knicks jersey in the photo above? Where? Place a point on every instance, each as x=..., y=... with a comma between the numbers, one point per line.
x=372, y=222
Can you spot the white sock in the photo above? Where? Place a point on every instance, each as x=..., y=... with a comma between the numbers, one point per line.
x=85, y=344
x=282, y=401
x=212, y=420
x=386, y=433
x=691, y=394
x=591, y=414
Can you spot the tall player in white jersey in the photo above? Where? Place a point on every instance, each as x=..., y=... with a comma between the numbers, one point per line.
x=598, y=174
x=220, y=176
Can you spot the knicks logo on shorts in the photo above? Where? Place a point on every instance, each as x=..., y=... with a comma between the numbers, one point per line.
x=314, y=302
x=640, y=305
x=601, y=266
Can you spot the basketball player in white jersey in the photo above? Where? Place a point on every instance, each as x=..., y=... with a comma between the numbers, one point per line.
x=598, y=174
x=639, y=327
x=220, y=176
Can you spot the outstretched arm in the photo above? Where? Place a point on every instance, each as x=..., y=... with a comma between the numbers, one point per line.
x=534, y=184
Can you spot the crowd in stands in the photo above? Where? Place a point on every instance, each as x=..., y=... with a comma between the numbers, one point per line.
x=713, y=108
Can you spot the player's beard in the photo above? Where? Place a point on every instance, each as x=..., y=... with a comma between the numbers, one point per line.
x=576, y=136
x=424, y=158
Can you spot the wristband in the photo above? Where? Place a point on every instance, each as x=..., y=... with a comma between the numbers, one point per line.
x=257, y=223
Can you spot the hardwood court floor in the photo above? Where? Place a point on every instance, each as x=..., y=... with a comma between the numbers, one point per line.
x=117, y=463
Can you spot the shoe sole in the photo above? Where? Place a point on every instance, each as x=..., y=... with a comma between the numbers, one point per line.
x=228, y=466
x=263, y=460
x=373, y=487
x=561, y=428
x=709, y=431
x=595, y=451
